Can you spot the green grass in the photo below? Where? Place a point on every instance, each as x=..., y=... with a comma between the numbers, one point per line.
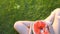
x=15, y=10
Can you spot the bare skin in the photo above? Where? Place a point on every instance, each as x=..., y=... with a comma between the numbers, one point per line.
x=22, y=27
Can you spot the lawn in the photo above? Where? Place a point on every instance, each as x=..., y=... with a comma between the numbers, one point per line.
x=15, y=10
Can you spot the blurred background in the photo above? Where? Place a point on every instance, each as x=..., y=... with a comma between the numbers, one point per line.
x=16, y=10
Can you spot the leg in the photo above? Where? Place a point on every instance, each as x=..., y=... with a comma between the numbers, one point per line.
x=54, y=18
x=22, y=26
x=56, y=24
x=50, y=18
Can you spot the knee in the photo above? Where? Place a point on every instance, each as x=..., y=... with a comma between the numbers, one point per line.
x=57, y=13
x=17, y=24
x=57, y=10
